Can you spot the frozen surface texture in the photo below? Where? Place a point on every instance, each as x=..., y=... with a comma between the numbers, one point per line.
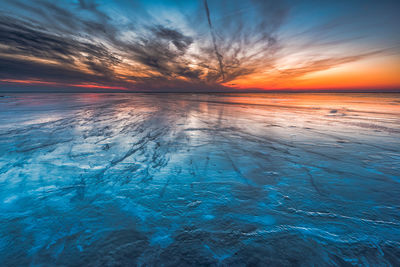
x=179, y=179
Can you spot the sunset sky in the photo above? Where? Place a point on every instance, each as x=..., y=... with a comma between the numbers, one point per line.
x=199, y=45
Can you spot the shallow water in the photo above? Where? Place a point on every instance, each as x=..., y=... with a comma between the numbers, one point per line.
x=183, y=179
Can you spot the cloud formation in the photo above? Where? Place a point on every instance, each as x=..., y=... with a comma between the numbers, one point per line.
x=200, y=46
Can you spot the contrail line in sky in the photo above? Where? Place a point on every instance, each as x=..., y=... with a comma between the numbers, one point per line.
x=219, y=56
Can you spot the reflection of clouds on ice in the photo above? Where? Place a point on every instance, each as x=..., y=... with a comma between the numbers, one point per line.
x=205, y=178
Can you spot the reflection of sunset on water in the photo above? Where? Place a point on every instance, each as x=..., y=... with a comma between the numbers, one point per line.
x=319, y=170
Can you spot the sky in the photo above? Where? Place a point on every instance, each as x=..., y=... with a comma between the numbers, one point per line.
x=199, y=45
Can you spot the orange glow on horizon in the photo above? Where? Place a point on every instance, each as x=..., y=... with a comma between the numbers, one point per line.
x=371, y=73
x=96, y=86
x=375, y=73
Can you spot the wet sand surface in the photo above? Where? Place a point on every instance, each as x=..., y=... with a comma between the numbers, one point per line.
x=197, y=179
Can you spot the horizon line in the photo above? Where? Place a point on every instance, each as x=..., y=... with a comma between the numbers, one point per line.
x=260, y=91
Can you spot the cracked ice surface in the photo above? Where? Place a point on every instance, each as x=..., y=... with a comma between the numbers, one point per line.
x=175, y=179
